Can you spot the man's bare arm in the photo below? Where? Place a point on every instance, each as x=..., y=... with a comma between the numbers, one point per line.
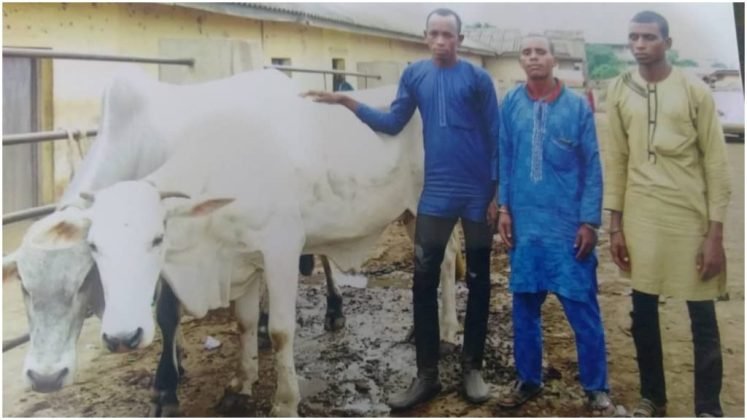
x=333, y=98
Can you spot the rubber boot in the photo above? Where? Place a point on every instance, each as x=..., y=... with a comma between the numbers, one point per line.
x=423, y=388
x=474, y=387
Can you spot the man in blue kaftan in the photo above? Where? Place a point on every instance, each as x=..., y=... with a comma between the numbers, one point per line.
x=459, y=108
x=550, y=205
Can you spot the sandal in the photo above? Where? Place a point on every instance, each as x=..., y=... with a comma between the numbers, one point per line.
x=600, y=404
x=519, y=393
x=647, y=408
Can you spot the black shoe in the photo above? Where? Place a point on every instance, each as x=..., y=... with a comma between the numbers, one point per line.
x=475, y=389
x=423, y=388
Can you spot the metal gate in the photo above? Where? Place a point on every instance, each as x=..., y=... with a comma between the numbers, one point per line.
x=20, y=105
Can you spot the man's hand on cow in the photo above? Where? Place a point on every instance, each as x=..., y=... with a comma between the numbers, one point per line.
x=505, y=227
x=711, y=259
x=586, y=240
x=324, y=97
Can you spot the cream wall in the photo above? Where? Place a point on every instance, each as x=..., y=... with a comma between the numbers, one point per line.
x=506, y=72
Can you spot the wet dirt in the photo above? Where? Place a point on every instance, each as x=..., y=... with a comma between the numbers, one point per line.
x=352, y=372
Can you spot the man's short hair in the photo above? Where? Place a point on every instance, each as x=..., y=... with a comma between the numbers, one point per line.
x=445, y=12
x=550, y=44
x=648, y=16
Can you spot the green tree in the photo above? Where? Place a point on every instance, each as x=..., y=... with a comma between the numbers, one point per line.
x=674, y=58
x=718, y=65
x=602, y=62
x=686, y=63
x=605, y=71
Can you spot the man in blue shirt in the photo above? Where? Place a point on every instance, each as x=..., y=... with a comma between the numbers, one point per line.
x=550, y=199
x=458, y=104
x=340, y=84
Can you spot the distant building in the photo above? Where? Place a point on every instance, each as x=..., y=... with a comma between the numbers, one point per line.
x=569, y=52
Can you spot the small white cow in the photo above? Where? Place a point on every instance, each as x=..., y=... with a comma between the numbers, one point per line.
x=280, y=176
x=60, y=287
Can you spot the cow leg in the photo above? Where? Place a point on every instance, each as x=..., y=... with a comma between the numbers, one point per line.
x=306, y=264
x=334, y=319
x=448, y=322
x=246, y=314
x=282, y=285
x=447, y=314
x=263, y=331
x=165, y=402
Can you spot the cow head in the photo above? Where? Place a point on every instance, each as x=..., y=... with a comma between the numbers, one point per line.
x=127, y=241
x=60, y=287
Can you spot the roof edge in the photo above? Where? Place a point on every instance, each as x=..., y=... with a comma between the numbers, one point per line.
x=263, y=12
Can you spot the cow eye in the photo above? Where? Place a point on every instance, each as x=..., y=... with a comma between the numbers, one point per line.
x=93, y=247
x=157, y=241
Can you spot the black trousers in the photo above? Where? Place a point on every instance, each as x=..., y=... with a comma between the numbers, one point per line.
x=706, y=346
x=431, y=236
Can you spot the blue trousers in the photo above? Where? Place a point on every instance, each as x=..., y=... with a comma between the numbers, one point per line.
x=586, y=322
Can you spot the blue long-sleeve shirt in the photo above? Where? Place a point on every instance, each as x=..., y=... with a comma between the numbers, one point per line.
x=461, y=122
x=551, y=181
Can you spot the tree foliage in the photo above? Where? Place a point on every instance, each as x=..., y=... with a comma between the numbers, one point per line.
x=674, y=58
x=602, y=62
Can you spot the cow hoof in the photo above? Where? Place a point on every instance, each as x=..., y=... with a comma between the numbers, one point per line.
x=445, y=348
x=233, y=404
x=164, y=404
x=278, y=411
x=334, y=322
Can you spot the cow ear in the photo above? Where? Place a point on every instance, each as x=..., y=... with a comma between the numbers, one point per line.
x=10, y=267
x=199, y=208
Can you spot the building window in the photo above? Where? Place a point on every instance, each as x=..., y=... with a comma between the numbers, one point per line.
x=339, y=81
x=281, y=62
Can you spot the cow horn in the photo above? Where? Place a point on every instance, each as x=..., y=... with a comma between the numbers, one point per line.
x=173, y=194
x=87, y=196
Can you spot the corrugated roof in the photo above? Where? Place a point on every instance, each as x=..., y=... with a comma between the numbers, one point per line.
x=507, y=42
x=330, y=15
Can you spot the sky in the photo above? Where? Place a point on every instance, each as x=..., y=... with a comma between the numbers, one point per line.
x=700, y=31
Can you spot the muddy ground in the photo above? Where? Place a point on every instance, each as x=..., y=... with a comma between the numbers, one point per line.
x=351, y=372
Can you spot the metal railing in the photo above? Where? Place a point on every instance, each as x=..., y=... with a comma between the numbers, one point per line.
x=24, y=214
x=324, y=73
x=40, y=136
x=40, y=53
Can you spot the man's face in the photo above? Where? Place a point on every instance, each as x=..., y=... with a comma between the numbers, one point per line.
x=536, y=59
x=646, y=42
x=442, y=37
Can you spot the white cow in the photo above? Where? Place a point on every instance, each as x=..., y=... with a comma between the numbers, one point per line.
x=280, y=176
x=53, y=262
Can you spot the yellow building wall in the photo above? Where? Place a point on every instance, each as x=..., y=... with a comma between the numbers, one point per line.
x=135, y=29
x=506, y=72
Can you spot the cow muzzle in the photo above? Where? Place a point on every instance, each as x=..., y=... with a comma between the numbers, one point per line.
x=123, y=342
x=47, y=383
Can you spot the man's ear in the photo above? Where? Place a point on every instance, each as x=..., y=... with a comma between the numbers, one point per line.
x=10, y=267
x=461, y=39
x=199, y=208
x=669, y=43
